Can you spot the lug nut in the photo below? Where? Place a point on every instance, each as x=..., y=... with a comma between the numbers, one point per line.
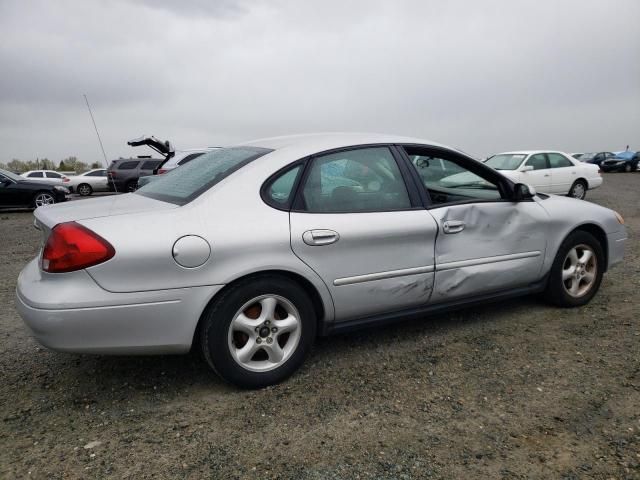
x=259, y=340
x=269, y=339
x=257, y=329
x=274, y=329
x=267, y=322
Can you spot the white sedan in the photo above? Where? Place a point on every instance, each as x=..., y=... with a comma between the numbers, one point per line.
x=95, y=180
x=548, y=171
x=46, y=176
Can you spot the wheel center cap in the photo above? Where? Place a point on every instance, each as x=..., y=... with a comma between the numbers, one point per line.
x=264, y=332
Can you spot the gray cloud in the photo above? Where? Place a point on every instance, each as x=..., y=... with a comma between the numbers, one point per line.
x=483, y=76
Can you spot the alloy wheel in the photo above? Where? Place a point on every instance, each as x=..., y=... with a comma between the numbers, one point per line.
x=84, y=190
x=578, y=191
x=44, y=199
x=579, y=270
x=264, y=333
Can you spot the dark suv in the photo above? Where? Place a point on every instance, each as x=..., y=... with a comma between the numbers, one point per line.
x=124, y=173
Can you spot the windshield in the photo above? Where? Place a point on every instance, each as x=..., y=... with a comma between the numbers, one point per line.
x=505, y=161
x=12, y=176
x=187, y=182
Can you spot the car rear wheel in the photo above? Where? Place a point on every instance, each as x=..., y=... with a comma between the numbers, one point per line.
x=627, y=167
x=577, y=271
x=578, y=190
x=84, y=189
x=259, y=331
x=43, y=198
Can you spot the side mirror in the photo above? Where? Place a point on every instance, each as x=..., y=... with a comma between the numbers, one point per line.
x=523, y=192
x=526, y=168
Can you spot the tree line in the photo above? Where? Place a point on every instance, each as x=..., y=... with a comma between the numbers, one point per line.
x=66, y=165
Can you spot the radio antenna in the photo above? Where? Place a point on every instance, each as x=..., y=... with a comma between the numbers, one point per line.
x=106, y=162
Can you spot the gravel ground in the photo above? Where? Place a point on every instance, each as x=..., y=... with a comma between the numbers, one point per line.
x=515, y=390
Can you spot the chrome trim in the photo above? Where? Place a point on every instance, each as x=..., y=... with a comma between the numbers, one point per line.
x=338, y=282
x=481, y=261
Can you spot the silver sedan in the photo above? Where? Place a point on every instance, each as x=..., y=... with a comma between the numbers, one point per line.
x=248, y=253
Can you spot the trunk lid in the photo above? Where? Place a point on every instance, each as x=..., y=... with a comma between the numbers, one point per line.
x=48, y=217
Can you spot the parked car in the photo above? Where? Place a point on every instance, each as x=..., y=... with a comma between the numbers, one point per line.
x=19, y=192
x=576, y=155
x=123, y=174
x=46, y=176
x=86, y=183
x=626, y=161
x=548, y=171
x=596, y=157
x=251, y=256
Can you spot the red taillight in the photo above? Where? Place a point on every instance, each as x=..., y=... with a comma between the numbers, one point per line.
x=73, y=247
x=65, y=179
x=161, y=171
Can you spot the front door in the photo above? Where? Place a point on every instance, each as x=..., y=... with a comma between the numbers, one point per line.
x=362, y=230
x=486, y=243
x=540, y=175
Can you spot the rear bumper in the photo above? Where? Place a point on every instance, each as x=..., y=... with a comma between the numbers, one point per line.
x=70, y=312
x=617, y=243
x=595, y=182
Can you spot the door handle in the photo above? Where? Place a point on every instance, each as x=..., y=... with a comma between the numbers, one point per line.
x=547, y=175
x=320, y=237
x=453, y=226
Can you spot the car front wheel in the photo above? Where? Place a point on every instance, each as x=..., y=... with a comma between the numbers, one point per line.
x=578, y=190
x=43, y=198
x=259, y=331
x=577, y=271
x=85, y=189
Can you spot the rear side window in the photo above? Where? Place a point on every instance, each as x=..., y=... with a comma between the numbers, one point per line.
x=360, y=180
x=150, y=164
x=277, y=192
x=188, y=158
x=53, y=175
x=35, y=175
x=97, y=173
x=558, y=161
x=181, y=185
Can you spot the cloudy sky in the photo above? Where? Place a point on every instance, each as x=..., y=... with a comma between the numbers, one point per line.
x=482, y=76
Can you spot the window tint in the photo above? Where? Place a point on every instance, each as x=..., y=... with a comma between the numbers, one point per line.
x=558, y=161
x=362, y=180
x=53, y=175
x=448, y=182
x=97, y=173
x=278, y=191
x=128, y=165
x=188, y=158
x=506, y=161
x=181, y=185
x=538, y=162
x=150, y=164
x=35, y=175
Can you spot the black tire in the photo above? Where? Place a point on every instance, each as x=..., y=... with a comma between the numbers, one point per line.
x=627, y=168
x=84, y=190
x=131, y=186
x=216, y=322
x=556, y=291
x=578, y=190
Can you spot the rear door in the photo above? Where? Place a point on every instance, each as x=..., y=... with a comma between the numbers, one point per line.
x=486, y=243
x=540, y=176
x=563, y=173
x=360, y=226
x=54, y=177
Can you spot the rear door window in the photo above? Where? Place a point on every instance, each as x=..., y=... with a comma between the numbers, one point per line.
x=130, y=165
x=35, y=175
x=53, y=175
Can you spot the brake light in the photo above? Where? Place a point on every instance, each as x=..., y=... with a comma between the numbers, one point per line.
x=65, y=179
x=73, y=247
x=161, y=171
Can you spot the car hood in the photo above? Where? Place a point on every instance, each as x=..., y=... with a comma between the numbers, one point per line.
x=571, y=210
x=51, y=215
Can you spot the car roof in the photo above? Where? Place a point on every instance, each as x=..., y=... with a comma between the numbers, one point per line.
x=316, y=142
x=531, y=152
